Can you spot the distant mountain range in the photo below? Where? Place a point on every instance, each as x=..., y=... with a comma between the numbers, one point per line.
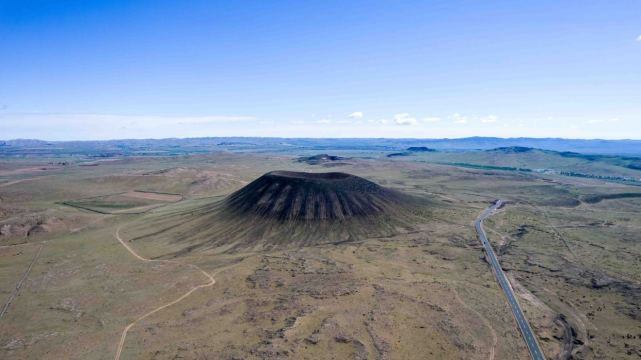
x=139, y=147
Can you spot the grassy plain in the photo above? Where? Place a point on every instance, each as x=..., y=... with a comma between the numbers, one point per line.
x=426, y=293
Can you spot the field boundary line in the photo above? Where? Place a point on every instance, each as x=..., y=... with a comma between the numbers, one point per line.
x=20, y=283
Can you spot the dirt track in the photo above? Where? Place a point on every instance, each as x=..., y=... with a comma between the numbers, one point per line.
x=21, y=282
x=211, y=282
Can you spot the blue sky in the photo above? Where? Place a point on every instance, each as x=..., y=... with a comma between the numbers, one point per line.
x=88, y=69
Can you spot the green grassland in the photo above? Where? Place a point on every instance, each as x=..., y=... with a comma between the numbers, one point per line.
x=536, y=160
x=424, y=293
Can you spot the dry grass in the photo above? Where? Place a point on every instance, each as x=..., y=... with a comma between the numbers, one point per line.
x=421, y=294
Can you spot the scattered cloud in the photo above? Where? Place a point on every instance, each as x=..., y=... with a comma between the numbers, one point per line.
x=489, y=119
x=432, y=119
x=603, y=121
x=356, y=115
x=84, y=126
x=405, y=119
x=639, y=38
x=458, y=118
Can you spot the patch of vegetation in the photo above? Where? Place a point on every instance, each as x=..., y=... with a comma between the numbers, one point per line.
x=420, y=149
x=593, y=199
x=624, y=179
x=397, y=154
x=490, y=167
x=634, y=166
x=320, y=159
x=513, y=149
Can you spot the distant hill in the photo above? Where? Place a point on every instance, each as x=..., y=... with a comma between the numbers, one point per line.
x=154, y=147
x=606, y=167
x=513, y=149
x=411, y=150
x=320, y=159
x=420, y=149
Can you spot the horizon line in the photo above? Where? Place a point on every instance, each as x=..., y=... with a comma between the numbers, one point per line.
x=322, y=138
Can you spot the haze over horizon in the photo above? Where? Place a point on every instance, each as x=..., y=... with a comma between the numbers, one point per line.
x=442, y=179
x=96, y=70
x=400, y=138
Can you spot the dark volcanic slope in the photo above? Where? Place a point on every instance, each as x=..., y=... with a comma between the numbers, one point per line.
x=284, y=209
x=286, y=195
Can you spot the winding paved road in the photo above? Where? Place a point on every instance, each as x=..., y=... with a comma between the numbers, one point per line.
x=526, y=330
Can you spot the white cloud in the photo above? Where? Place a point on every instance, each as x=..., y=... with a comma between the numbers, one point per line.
x=431, y=119
x=405, y=119
x=323, y=121
x=56, y=126
x=603, y=121
x=356, y=115
x=639, y=38
x=458, y=118
x=489, y=119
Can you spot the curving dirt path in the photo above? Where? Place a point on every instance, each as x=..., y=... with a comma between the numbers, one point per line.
x=211, y=282
x=14, y=182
